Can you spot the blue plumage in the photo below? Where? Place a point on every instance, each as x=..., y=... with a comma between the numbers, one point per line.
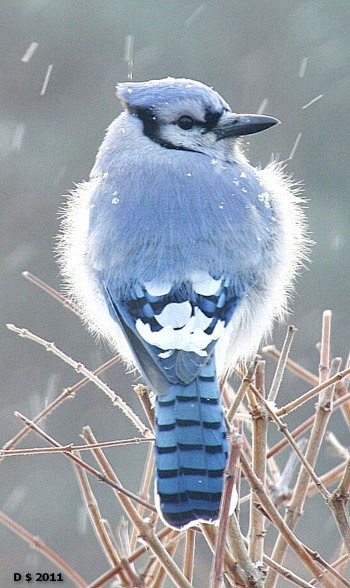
x=191, y=449
x=181, y=254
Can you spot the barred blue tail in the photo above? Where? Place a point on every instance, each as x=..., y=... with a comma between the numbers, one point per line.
x=191, y=450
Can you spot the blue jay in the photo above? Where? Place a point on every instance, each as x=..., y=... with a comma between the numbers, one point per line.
x=182, y=254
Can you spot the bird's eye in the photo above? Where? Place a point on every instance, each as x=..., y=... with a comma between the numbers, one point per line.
x=185, y=122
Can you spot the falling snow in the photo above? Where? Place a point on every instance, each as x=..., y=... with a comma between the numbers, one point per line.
x=295, y=146
x=30, y=52
x=303, y=66
x=312, y=101
x=15, y=499
x=18, y=136
x=194, y=15
x=262, y=107
x=46, y=80
x=129, y=54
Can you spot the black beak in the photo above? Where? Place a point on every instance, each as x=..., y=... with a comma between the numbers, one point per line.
x=236, y=125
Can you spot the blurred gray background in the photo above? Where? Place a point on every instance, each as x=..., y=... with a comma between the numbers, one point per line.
x=279, y=54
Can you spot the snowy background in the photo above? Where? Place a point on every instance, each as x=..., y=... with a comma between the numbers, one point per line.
x=59, y=64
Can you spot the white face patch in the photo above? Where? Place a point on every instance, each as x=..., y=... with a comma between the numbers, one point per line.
x=186, y=107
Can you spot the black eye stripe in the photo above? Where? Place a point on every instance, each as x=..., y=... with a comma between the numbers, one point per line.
x=211, y=119
x=152, y=125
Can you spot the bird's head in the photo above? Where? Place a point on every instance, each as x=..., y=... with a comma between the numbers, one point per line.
x=187, y=115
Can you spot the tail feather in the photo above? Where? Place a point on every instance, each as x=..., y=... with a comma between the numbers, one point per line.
x=191, y=450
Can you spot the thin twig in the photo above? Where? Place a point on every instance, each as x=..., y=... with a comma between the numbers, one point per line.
x=284, y=572
x=307, y=424
x=322, y=416
x=39, y=545
x=341, y=391
x=246, y=381
x=189, y=551
x=66, y=302
x=328, y=478
x=72, y=448
x=231, y=474
x=293, y=366
x=287, y=408
x=284, y=429
x=325, y=353
x=144, y=529
x=144, y=397
x=101, y=533
x=259, y=449
x=99, y=475
x=295, y=508
x=106, y=576
x=278, y=521
x=232, y=571
x=327, y=568
x=80, y=368
x=66, y=393
x=281, y=364
x=171, y=549
x=144, y=490
x=338, y=505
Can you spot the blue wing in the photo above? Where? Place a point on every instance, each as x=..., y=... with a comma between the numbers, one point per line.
x=172, y=331
x=172, y=335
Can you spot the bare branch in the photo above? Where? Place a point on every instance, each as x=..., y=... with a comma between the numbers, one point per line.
x=246, y=381
x=259, y=449
x=39, y=545
x=338, y=504
x=99, y=475
x=96, y=519
x=293, y=366
x=231, y=473
x=322, y=416
x=80, y=368
x=189, y=553
x=284, y=530
x=311, y=393
x=307, y=424
x=72, y=448
x=66, y=302
x=144, y=529
x=281, y=364
x=67, y=393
